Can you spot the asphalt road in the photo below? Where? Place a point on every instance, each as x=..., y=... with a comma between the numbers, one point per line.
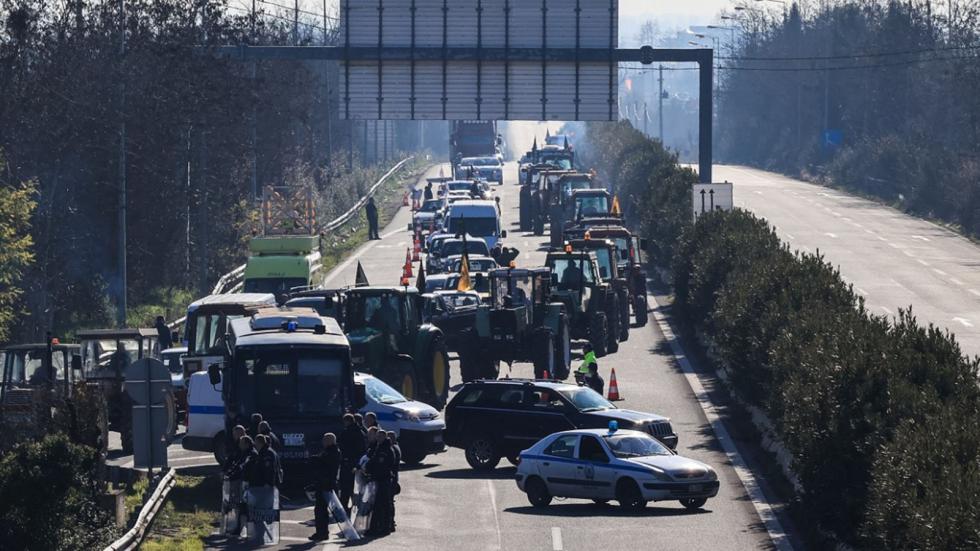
x=892, y=259
x=445, y=505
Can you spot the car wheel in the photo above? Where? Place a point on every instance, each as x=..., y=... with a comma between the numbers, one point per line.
x=537, y=492
x=640, y=309
x=628, y=495
x=544, y=354
x=219, y=448
x=694, y=503
x=482, y=454
x=438, y=362
x=413, y=457
x=598, y=336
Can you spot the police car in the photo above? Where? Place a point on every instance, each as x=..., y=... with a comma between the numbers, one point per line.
x=628, y=466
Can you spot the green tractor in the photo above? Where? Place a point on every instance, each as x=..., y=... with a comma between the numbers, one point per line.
x=520, y=324
x=389, y=340
x=591, y=303
x=607, y=255
x=630, y=259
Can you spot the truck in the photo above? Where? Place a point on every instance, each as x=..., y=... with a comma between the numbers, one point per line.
x=294, y=367
x=471, y=138
x=287, y=255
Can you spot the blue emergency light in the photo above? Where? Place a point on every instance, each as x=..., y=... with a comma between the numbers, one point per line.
x=291, y=327
x=613, y=426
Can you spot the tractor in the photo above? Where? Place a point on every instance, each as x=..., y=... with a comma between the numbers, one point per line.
x=593, y=313
x=389, y=340
x=607, y=256
x=629, y=248
x=520, y=324
x=557, y=202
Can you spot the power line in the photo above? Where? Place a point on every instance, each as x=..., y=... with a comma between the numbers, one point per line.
x=279, y=17
x=855, y=55
x=290, y=8
x=811, y=69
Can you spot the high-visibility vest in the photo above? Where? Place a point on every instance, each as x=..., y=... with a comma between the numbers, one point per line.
x=589, y=360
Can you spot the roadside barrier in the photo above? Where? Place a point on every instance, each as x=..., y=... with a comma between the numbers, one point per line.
x=131, y=540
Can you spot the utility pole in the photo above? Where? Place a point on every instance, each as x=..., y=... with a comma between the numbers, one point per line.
x=660, y=98
x=123, y=284
x=326, y=80
x=296, y=23
x=385, y=139
x=254, y=119
x=645, y=119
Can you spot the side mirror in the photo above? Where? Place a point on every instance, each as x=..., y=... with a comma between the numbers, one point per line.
x=503, y=234
x=643, y=243
x=76, y=362
x=214, y=374
x=360, y=396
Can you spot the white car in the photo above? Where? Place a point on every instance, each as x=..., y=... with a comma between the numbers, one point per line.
x=628, y=466
x=419, y=426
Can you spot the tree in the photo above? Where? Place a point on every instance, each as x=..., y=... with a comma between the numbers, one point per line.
x=16, y=208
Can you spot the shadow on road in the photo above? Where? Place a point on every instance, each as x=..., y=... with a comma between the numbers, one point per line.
x=581, y=509
x=504, y=473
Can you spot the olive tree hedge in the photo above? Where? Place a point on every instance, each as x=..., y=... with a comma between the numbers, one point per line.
x=880, y=415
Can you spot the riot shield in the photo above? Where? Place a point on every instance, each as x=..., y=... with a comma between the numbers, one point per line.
x=340, y=516
x=233, y=522
x=263, y=514
x=364, y=507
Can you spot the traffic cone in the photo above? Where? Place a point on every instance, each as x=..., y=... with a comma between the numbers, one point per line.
x=546, y=375
x=613, y=387
x=404, y=281
x=416, y=248
x=408, y=263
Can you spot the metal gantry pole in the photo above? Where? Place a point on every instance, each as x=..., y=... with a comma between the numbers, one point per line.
x=660, y=109
x=121, y=301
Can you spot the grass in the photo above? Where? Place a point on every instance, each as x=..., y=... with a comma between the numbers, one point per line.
x=189, y=516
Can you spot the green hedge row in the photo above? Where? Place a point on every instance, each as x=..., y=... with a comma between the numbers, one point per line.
x=882, y=416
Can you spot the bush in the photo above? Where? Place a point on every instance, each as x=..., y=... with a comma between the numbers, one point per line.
x=49, y=497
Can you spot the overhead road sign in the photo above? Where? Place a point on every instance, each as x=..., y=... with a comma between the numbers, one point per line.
x=486, y=59
x=711, y=197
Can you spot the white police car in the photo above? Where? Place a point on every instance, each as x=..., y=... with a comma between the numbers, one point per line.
x=628, y=466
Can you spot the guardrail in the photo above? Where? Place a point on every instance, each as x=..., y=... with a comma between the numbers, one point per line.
x=133, y=538
x=233, y=281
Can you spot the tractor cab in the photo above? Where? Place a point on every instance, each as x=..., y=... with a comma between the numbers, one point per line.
x=629, y=261
x=29, y=369
x=588, y=202
x=591, y=303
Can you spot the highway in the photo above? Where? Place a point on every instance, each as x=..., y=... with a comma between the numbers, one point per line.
x=446, y=505
x=892, y=259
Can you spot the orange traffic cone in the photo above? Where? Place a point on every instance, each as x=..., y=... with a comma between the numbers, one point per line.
x=613, y=387
x=416, y=248
x=546, y=375
x=408, y=263
x=404, y=281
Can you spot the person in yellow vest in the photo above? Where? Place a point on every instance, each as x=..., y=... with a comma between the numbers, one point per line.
x=588, y=371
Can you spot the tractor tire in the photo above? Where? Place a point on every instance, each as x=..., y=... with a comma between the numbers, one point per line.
x=598, y=333
x=405, y=380
x=543, y=353
x=612, y=323
x=624, y=315
x=640, y=309
x=538, y=225
x=474, y=362
x=435, y=369
x=563, y=350
x=525, y=209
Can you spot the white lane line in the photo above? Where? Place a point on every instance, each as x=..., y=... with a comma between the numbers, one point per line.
x=956, y=281
x=556, y=543
x=974, y=292
x=831, y=235
x=762, y=506
x=888, y=311
x=920, y=261
x=963, y=321
x=894, y=246
x=908, y=253
x=869, y=231
x=938, y=271
x=496, y=518
x=920, y=238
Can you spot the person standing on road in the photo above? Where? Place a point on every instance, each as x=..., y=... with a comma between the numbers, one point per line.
x=396, y=488
x=237, y=434
x=371, y=211
x=163, y=334
x=266, y=429
x=256, y=419
x=588, y=371
x=352, y=447
x=326, y=466
x=359, y=423
x=379, y=467
x=371, y=420
x=267, y=471
x=427, y=194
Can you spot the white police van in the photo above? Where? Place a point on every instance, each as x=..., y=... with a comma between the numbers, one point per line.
x=418, y=425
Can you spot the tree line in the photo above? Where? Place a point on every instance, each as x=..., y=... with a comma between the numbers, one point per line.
x=74, y=74
x=876, y=96
x=878, y=414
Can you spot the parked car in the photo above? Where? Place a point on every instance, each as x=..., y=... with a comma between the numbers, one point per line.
x=490, y=419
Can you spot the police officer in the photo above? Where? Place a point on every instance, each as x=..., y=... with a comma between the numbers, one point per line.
x=379, y=468
x=352, y=447
x=267, y=470
x=371, y=211
x=254, y=425
x=427, y=194
x=237, y=434
x=326, y=467
x=240, y=466
x=266, y=429
x=588, y=371
x=396, y=489
x=371, y=420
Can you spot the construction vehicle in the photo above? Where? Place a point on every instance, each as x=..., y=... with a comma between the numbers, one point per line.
x=389, y=340
x=287, y=255
x=294, y=367
x=630, y=261
x=593, y=314
x=106, y=355
x=521, y=323
x=607, y=257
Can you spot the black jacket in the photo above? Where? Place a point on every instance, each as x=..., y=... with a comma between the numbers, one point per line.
x=265, y=470
x=352, y=445
x=371, y=210
x=326, y=467
x=274, y=442
x=379, y=467
x=239, y=464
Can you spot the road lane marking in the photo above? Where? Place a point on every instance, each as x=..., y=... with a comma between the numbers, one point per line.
x=908, y=253
x=762, y=506
x=938, y=271
x=790, y=236
x=556, y=543
x=920, y=261
x=974, y=292
x=831, y=235
x=920, y=238
x=496, y=518
x=963, y=321
x=956, y=281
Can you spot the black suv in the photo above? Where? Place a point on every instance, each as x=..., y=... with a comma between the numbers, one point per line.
x=490, y=419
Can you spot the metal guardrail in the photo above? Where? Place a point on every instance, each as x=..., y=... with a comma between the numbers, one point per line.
x=233, y=281
x=133, y=538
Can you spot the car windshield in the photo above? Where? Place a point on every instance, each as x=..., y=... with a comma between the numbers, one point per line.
x=27, y=366
x=462, y=301
x=635, y=445
x=431, y=206
x=459, y=186
x=381, y=393
x=172, y=361
x=280, y=381
x=568, y=185
x=207, y=333
x=512, y=291
x=456, y=247
x=108, y=358
x=476, y=264
x=480, y=161
x=586, y=399
x=623, y=245
x=478, y=226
